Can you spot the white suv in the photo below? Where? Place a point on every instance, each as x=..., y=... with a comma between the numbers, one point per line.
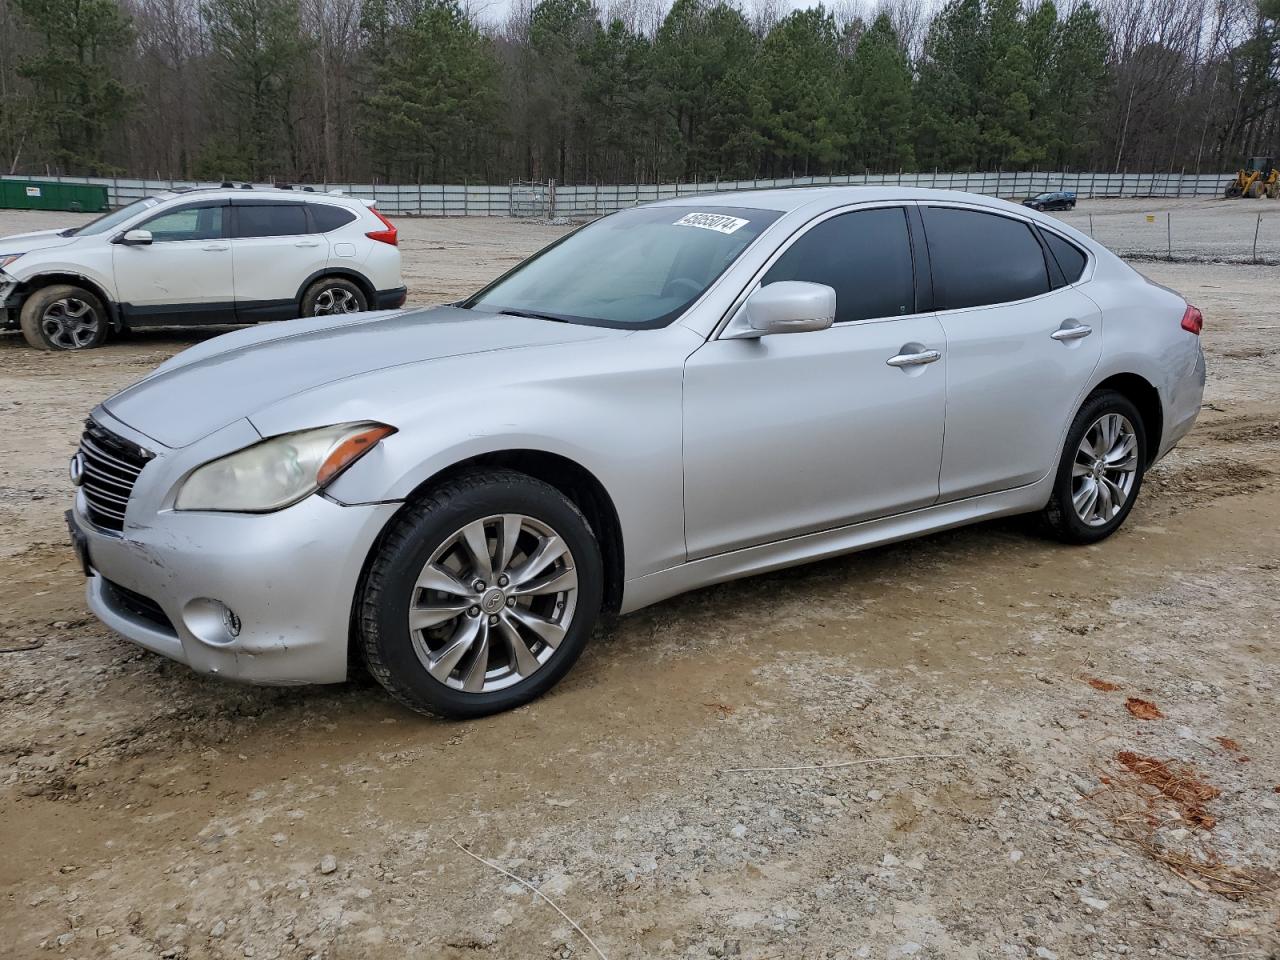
x=222, y=255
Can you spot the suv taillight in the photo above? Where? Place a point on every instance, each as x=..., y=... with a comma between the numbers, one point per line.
x=1193, y=320
x=383, y=236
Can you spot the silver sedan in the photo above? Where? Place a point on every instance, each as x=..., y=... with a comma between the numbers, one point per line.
x=669, y=397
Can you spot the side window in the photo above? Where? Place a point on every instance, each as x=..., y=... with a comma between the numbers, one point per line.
x=865, y=256
x=271, y=220
x=328, y=217
x=981, y=258
x=1071, y=259
x=186, y=223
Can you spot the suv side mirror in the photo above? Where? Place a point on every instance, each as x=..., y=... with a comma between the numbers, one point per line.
x=788, y=306
x=135, y=238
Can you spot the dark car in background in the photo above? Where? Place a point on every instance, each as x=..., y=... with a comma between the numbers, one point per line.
x=1061, y=200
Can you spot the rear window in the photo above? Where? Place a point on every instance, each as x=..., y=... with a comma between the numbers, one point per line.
x=982, y=258
x=328, y=217
x=271, y=220
x=1071, y=259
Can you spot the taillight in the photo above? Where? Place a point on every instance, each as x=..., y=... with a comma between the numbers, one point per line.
x=1193, y=320
x=383, y=236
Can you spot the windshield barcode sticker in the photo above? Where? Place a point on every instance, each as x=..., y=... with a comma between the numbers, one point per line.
x=712, y=221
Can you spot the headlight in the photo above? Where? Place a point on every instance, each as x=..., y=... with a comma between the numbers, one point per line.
x=280, y=471
x=8, y=258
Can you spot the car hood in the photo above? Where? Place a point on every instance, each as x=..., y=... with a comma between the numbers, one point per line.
x=26, y=242
x=230, y=377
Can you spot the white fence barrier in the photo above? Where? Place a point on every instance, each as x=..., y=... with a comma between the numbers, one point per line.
x=554, y=200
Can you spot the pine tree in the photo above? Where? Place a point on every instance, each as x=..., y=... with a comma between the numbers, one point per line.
x=704, y=55
x=76, y=98
x=1008, y=86
x=433, y=90
x=258, y=49
x=878, y=85
x=800, y=69
x=1077, y=90
x=946, y=93
x=619, y=94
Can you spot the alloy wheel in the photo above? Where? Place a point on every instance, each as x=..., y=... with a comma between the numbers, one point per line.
x=333, y=300
x=1104, y=469
x=492, y=603
x=70, y=323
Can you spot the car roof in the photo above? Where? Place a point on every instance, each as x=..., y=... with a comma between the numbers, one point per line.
x=258, y=193
x=788, y=199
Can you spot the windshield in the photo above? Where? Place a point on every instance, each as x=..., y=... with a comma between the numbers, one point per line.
x=113, y=219
x=640, y=268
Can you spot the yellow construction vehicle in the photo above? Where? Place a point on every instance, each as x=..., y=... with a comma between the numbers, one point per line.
x=1259, y=178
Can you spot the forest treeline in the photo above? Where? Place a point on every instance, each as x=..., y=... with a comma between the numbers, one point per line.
x=635, y=90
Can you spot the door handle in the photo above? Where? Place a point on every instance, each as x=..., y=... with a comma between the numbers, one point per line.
x=307, y=243
x=917, y=359
x=214, y=247
x=1076, y=331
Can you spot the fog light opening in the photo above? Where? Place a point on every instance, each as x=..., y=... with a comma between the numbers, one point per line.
x=211, y=621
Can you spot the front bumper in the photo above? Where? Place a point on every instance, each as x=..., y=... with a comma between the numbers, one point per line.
x=289, y=577
x=9, y=301
x=390, y=299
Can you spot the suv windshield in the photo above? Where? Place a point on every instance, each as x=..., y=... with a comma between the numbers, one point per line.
x=109, y=220
x=640, y=268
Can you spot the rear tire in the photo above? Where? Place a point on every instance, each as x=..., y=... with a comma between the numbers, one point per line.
x=63, y=317
x=331, y=296
x=467, y=564
x=1103, y=461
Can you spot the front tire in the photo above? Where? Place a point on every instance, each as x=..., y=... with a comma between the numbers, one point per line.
x=480, y=596
x=330, y=296
x=63, y=317
x=1101, y=470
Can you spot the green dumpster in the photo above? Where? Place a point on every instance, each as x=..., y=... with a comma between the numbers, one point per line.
x=46, y=195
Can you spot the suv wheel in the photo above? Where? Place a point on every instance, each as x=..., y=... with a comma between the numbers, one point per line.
x=480, y=596
x=1101, y=470
x=63, y=317
x=329, y=296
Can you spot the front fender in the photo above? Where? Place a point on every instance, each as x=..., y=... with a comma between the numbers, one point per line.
x=32, y=272
x=612, y=408
x=33, y=275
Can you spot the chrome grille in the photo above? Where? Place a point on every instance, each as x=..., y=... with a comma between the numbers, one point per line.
x=111, y=466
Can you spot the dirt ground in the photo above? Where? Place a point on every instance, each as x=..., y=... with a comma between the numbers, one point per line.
x=1191, y=229
x=1028, y=809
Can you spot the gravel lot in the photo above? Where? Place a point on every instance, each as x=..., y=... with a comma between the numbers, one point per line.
x=1198, y=229
x=147, y=812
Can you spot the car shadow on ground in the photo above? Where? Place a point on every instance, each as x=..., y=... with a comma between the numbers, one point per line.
x=696, y=621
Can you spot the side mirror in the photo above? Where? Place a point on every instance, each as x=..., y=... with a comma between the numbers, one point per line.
x=135, y=238
x=788, y=306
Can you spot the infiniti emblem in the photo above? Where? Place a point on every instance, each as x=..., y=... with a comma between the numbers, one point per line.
x=75, y=469
x=493, y=601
